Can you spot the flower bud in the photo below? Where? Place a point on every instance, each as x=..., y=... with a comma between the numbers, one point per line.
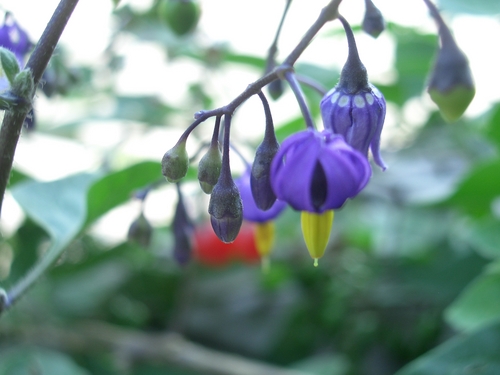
x=451, y=85
x=275, y=89
x=140, y=231
x=181, y=16
x=373, y=21
x=260, y=179
x=225, y=209
x=175, y=162
x=209, y=168
x=10, y=65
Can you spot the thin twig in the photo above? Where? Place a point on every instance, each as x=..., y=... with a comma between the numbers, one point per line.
x=138, y=346
x=14, y=119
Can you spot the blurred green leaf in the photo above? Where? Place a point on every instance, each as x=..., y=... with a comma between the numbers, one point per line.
x=477, y=353
x=414, y=53
x=493, y=125
x=479, y=303
x=148, y=109
x=480, y=7
x=30, y=361
x=477, y=191
x=117, y=187
x=323, y=365
x=484, y=236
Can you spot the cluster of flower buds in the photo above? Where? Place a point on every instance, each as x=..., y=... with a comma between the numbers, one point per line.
x=313, y=171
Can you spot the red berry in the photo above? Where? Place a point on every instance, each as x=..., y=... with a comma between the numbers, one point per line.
x=209, y=250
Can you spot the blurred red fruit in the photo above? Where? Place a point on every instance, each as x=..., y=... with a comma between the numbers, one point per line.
x=209, y=250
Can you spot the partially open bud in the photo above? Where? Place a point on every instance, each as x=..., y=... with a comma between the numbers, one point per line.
x=175, y=162
x=316, y=231
x=451, y=85
x=140, y=231
x=209, y=168
x=373, y=21
x=225, y=209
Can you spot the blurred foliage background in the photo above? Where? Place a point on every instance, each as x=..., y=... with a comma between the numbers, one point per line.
x=409, y=285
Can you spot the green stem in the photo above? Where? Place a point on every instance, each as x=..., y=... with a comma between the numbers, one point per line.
x=14, y=119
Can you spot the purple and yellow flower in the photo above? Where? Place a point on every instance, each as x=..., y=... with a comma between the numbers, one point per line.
x=358, y=116
x=264, y=233
x=318, y=171
x=355, y=108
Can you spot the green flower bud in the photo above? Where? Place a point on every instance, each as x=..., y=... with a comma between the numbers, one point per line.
x=209, y=168
x=10, y=64
x=451, y=85
x=140, y=231
x=23, y=85
x=175, y=162
x=181, y=16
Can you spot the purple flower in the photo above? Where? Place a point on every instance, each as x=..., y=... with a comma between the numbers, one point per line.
x=318, y=171
x=359, y=117
x=250, y=210
x=14, y=38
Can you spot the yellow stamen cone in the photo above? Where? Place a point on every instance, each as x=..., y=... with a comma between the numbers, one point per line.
x=316, y=231
x=264, y=237
x=264, y=241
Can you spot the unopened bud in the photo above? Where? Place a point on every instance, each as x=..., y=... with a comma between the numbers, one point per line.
x=175, y=162
x=209, y=168
x=182, y=230
x=260, y=179
x=23, y=85
x=373, y=21
x=451, y=85
x=10, y=65
x=140, y=231
x=275, y=89
x=226, y=210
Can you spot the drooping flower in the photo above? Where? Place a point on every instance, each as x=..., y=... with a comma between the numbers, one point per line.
x=264, y=231
x=14, y=38
x=318, y=171
x=355, y=108
x=250, y=210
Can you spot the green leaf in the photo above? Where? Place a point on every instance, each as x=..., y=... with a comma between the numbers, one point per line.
x=65, y=206
x=477, y=353
x=117, y=187
x=483, y=7
x=25, y=360
x=479, y=303
x=484, y=236
x=477, y=191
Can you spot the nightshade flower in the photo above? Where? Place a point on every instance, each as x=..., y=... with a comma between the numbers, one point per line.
x=355, y=108
x=318, y=171
x=264, y=230
x=250, y=210
x=14, y=38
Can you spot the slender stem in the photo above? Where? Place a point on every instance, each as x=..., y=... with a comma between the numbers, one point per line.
x=294, y=84
x=328, y=13
x=273, y=50
x=269, y=118
x=225, y=173
x=14, y=119
x=443, y=30
x=315, y=85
